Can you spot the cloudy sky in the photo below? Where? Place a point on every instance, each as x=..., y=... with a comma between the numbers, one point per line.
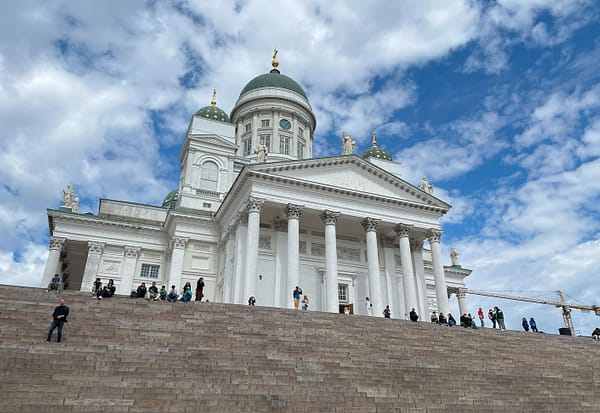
x=496, y=102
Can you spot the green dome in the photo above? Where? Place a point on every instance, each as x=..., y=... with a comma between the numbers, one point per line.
x=377, y=152
x=214, y=113
x=171, y=199
x=274, y=79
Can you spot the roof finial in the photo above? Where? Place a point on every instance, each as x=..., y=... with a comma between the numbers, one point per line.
x=275, y=62
x=373, y=141
x=213, y=101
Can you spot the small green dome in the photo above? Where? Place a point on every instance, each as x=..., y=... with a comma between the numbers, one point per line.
x=377, y=152
x=171, y=199
x=214, y=113
x=274, y=79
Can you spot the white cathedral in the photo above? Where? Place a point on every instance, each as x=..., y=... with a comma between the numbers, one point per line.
x=256, y=215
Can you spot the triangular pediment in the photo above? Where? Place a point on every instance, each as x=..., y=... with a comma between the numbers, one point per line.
x=352, y=174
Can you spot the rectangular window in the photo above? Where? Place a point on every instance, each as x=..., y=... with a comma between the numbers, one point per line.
x=206, y=205
x=247, y=146
x=284, y=145
x=343, y=293
x=266, y=140
x=264, y=123
x=149, y=271
x=248, y=127
x=301, y=132
x=300, y=149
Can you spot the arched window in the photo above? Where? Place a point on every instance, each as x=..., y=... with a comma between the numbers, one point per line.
x=209, y=176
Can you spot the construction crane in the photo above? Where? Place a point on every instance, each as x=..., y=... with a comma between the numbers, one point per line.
x=566, y=307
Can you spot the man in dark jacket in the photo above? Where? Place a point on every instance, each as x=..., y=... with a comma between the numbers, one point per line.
x=413, y=315
x=59, y=318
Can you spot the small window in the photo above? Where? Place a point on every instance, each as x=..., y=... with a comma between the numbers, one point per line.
x=149, y=271
x=206, y=205
x=301, y=132
x=248, y=127
x=265, y=123
x=343, y=293
x=284, y=145
x=300, y=149
x=247, y=146
x=266, y=140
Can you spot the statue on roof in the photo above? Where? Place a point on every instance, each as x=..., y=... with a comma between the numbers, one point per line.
x=261, y=153
x=348, y=144
x=426, y=186
x=454, y=258
x=68, y=196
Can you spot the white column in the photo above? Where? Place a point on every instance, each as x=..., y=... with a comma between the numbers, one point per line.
x=462, y=301
x=53, y=262
x=332, y=303
x=228, y=263
x=275, y=130
x=128, y=271
x=254, y=206
x=391, y=279
x=417, y=255
x=293, y=213
x=370, y=226
x=408, y=278
x=91, y=265
x=240, y=258
x=255, y=127
x=294, y=142
x=177, y=254
x=282, y=298
x=441, y=291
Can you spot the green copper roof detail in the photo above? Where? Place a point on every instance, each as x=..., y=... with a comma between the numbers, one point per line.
x=377, y=152
x=171, y=199
x=274, y=79
x=214, y=113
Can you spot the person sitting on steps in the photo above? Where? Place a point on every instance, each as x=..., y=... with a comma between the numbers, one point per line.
x=108, y=290
x=186, y=296
x=153, y=292
x=596, y=333
x=56, y=284
x=414, y=317
x=172, y=296
x=163, y=293
x=141, y=291
x=97, y=286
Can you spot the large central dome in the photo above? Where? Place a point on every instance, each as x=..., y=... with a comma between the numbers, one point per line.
x=274, y=79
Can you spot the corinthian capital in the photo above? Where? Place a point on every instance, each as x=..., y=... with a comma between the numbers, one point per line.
x=370, y=224
x=293, y=211
x=179, y=242
x=402, y=230
x=56, y=243
x=254, y=204
x=416, y=245
x=330, y=217
x=95, y=248
x=434, y=235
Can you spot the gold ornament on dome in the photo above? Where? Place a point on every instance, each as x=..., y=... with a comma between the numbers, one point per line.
x=213, y=101
x=275, y=62
x=373, y=141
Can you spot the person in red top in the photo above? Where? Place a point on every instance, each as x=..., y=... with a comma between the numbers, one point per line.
x=480, y=315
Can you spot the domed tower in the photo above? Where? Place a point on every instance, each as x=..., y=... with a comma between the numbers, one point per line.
x=207, y=159
x=273, y=110
x=375, y=151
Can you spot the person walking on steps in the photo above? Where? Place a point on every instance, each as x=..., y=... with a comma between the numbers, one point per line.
x=492, y=317
x=200, y=289
x=525, y=324
x=499, y=318
x=387, y=313
x=59, y=318
x=296, y=294
x=480, y=315
x=533, y=325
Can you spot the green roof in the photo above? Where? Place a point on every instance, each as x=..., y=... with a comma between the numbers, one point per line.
x=274, y=79
x=377, y=152
x=214, y=113
x=171, y=199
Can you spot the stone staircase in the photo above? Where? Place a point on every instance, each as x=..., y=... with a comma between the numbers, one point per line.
x=126, y=355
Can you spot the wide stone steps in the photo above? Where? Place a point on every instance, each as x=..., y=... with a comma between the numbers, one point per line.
x=126, y=355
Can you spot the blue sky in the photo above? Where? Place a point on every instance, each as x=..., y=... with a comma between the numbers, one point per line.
x=497, y=103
